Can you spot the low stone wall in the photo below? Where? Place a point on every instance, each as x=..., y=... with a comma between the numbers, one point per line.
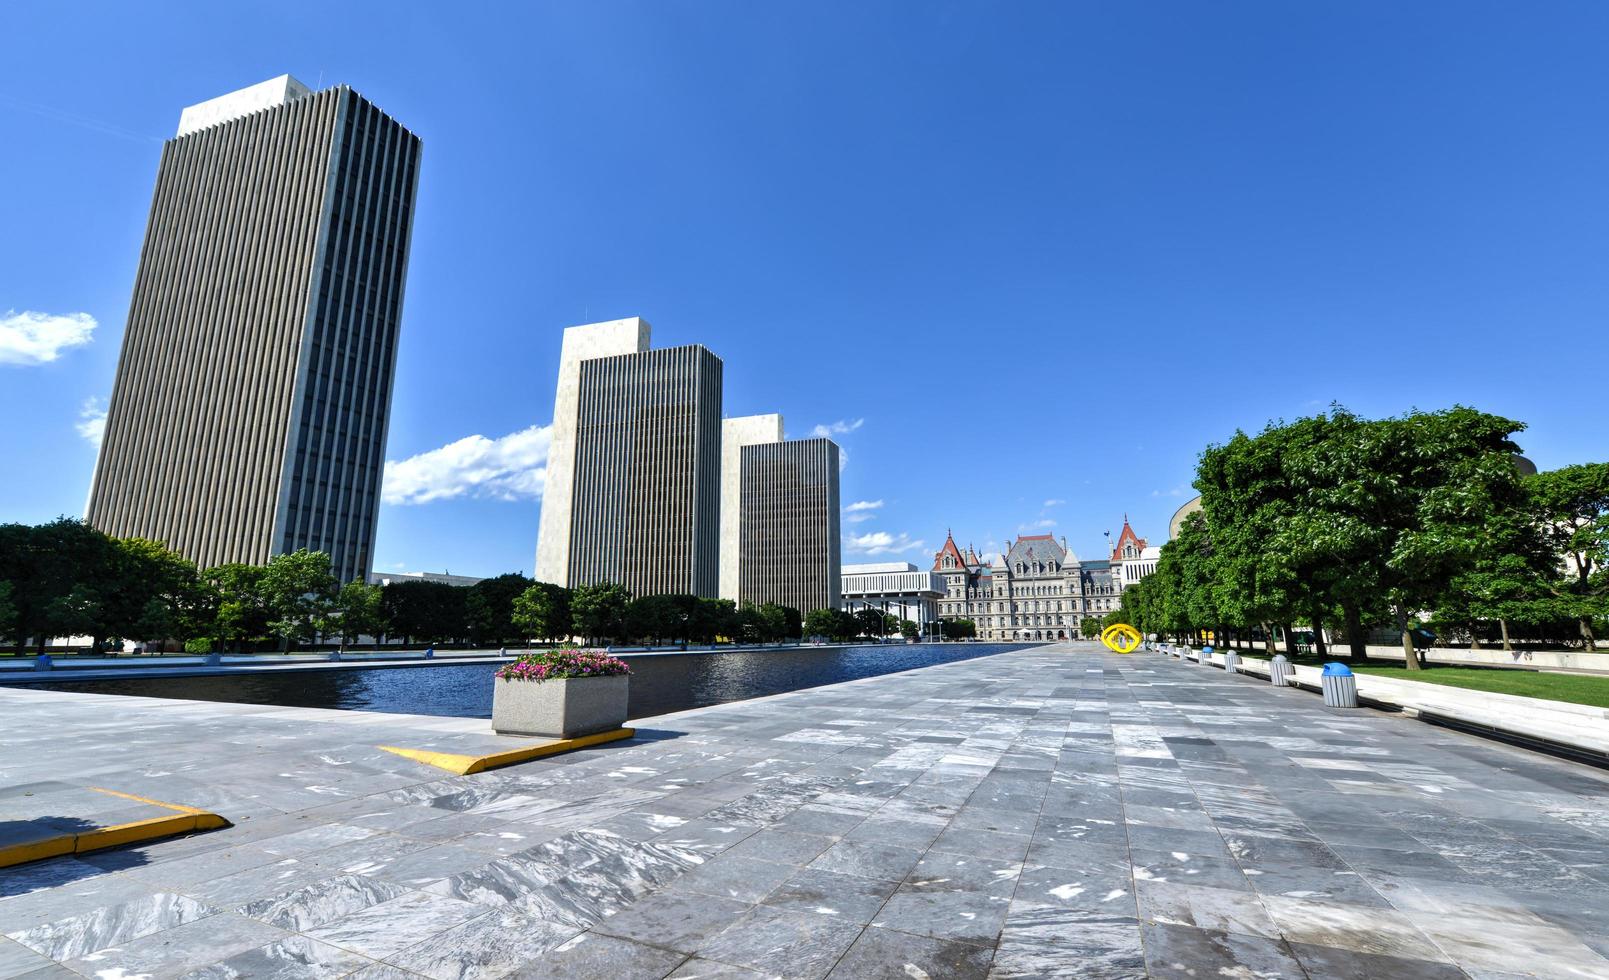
x=1486, y=657
x=1581, y=727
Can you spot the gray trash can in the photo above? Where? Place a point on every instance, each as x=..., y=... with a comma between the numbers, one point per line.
x=1340, y=686
x=1280, y=671
x=1204, y=658
x=1231, y=661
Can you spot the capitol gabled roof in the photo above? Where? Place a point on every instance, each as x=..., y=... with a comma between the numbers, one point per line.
x=1036, y=547
x=951, y=550
x=1128, y=536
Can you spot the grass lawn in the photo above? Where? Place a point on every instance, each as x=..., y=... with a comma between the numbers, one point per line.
x=1573, y=688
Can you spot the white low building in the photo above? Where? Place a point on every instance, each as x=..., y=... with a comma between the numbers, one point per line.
x=897, y=588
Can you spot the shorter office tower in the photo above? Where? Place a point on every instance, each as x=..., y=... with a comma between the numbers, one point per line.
x=896, y=588
x=1036, y=590
x=788, y=540
x=633, y=487
x=746, y=430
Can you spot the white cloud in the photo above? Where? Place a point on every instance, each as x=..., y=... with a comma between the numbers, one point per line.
x=1175, y=492
x=838, y=428
x=513, y=467
x=864, y=505
x=881, y=543
x=91, y=422
x=1037, y=525
x=1054, y=501
x=859, y=518
x=29, y=338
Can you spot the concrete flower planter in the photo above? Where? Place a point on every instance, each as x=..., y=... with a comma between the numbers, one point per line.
x=565, y=708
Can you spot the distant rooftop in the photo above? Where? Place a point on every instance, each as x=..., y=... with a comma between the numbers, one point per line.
x=242, y=102
x=876, y=567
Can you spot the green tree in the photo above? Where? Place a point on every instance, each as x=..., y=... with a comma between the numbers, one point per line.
x=871, y=622
x=360, y=611
x=239, y=606
x=909, y=630
x=543, y=611
x=8, y=611
x=779, y=622
x=56, y=571
x=599, y=611
x=822, y=622
x=489, y=608
x=1091, y=626
x=1421, y=489
x=1571, y=509
x=149, y=592
x=713, y=618
x=429, y=611
x=299, y=593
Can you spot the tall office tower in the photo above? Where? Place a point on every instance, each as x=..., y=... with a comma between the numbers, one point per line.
x=789, y=543
x=634, y=468
x=249, y=413
x=736, y=433
x=586, y=342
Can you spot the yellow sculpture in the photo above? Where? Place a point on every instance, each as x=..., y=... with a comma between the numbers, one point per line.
x=1120, y=638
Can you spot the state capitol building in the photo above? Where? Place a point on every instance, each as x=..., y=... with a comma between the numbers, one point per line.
x=1038, y=590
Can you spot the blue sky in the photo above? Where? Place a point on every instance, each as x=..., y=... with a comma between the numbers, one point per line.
x=1019, y=253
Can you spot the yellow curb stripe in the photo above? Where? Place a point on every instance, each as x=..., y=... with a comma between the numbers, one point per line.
x=177, y=807
x=184, y=820
x=467, y=765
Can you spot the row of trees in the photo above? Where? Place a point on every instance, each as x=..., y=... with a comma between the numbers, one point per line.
x=1341, y=522
x=68, y=579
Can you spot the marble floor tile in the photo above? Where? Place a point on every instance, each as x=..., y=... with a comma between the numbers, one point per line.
x=291, y=958
x=870, y=860
x=887, y=953
x=383, y=930
x=1336, y=963
x=114, y=925
x=781, y=942
x=982, y=843
x=492, y=945
x=847, y=897
x=1097, y=889
x=1179, y=952
x=730, y=876
x=17, y=960
x=591, y=956
x=323, y=901
x=179, y=950
x=1044, y=943
x=966, y=916
x=782, y=846
x=674, y=920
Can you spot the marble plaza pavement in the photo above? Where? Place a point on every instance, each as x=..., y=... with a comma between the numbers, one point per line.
x=1051, y=812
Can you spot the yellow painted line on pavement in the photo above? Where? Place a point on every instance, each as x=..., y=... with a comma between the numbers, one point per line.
x=466, y=765
x=183, y=820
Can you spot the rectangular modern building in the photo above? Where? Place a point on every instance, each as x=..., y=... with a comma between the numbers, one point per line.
x=745, y=430
x=582, y=343
x=249, y=414
x=644, y=474
x=789, y=545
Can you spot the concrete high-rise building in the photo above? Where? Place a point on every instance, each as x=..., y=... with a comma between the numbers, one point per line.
x=633, y=492
x=747, y=430
x=789, y=545
x=249, y=414
x=586, y=342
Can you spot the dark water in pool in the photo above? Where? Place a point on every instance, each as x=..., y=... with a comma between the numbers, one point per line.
x=659, y=684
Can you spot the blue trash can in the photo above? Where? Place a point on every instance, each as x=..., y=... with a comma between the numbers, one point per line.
x=1340, y=686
